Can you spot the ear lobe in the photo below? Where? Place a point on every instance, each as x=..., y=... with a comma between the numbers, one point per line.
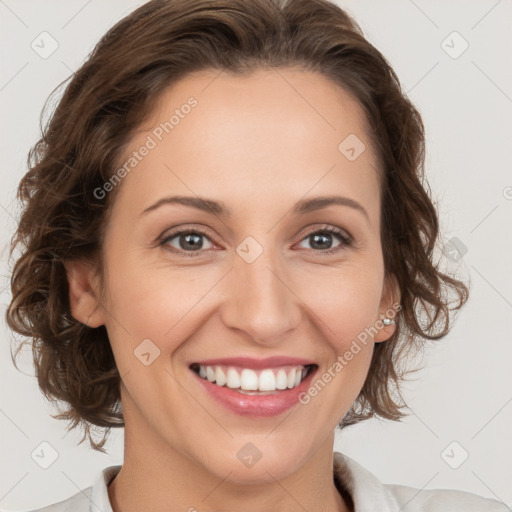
x=83, y=295
x=388, y=309
x=384, y=333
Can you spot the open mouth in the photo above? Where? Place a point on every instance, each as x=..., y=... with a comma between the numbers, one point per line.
x=249, y=381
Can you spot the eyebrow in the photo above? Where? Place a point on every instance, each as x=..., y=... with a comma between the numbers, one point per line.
x=219, y=208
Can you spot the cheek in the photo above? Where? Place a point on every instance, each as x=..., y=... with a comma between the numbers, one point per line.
x=166, y=303
x=160, y=304
x=344, y=302
x=345, y=307
x=140, y=310
x=174, y=307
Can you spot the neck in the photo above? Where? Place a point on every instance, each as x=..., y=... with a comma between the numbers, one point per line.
x=157, y=477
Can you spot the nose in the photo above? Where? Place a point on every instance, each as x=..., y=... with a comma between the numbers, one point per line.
x=261, y=301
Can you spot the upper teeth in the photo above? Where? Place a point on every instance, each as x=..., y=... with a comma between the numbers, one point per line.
x=254, y=380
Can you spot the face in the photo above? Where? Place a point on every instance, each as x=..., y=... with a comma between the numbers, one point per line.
x=258, y=286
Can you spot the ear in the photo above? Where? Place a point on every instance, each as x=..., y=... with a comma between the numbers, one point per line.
x=84, y=293
x=388, y=308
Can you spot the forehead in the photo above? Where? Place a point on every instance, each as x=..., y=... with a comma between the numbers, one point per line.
x=276, y=133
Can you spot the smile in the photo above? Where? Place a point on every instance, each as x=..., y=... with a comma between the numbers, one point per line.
x=252, y=387
x=252, y=381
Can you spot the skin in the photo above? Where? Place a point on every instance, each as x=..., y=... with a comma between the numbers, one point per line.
x=259, y=144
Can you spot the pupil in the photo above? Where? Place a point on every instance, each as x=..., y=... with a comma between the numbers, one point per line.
x=325, y=239
x=189, y=241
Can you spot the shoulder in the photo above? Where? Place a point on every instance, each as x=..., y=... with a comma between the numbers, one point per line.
x=79, y=502
x=441, y=500
x=369, y=493
x=94, y=498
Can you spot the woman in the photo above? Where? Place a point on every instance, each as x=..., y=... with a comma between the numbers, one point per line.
x=227, y=249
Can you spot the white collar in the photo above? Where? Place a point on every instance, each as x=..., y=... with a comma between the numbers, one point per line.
x=99, y=497
x=367, y=491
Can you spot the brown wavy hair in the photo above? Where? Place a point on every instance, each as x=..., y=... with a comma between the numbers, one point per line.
x=109, y=97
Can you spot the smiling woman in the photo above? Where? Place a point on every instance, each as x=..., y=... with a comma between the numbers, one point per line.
x=257, y=279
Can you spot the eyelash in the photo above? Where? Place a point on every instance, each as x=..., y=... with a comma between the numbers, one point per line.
x=346, y=240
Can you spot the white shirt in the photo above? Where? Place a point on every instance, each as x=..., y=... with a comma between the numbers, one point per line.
x=368, y=494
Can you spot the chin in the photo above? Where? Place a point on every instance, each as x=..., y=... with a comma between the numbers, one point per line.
x=251, y=466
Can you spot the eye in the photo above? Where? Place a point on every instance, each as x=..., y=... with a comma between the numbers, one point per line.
x=189, y=241
x=321, y=240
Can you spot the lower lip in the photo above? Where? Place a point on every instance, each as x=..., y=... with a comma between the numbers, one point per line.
x=256, y=405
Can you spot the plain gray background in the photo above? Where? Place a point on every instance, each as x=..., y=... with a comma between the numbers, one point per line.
x=461, y=402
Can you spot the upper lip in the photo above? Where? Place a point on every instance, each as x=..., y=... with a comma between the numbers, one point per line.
x=251, y=362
